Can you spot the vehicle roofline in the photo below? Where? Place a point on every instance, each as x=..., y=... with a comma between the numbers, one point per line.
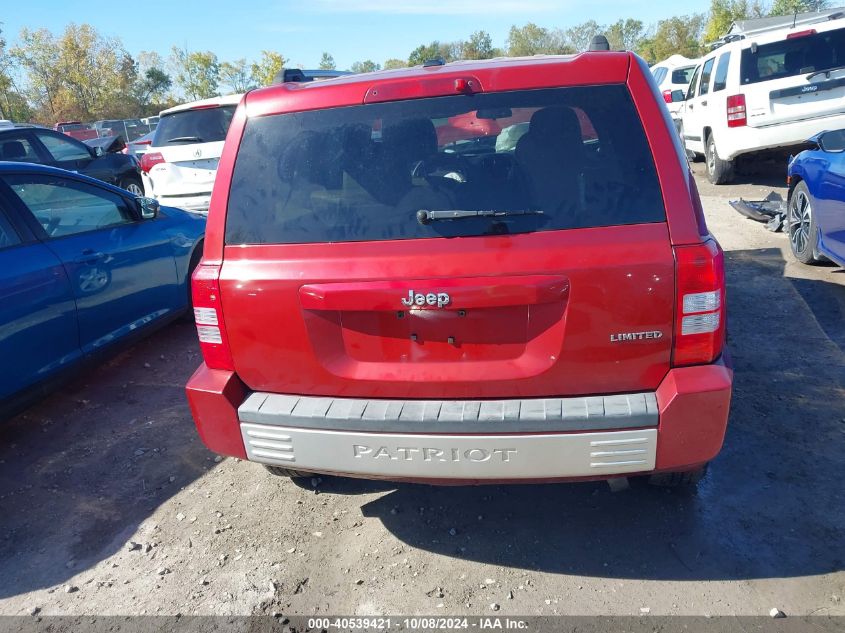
x=418, y=72
x=232, y=99
x=13, y=167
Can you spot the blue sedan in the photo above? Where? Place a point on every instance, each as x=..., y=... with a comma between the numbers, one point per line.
x=84, y=266
x=816, y=205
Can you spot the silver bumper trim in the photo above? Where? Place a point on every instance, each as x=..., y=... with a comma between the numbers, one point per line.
x=456, y=457
x=535, y=415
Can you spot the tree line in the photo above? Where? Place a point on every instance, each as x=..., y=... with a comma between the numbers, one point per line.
x=83, y=75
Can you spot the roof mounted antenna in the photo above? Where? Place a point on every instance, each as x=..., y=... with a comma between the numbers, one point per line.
x=599, y=43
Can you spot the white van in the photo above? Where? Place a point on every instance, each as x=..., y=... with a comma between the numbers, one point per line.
x=180, y=166
x=768, y=90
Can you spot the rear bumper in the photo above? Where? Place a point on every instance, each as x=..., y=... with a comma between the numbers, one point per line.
x=747, y=139
x=678, y=427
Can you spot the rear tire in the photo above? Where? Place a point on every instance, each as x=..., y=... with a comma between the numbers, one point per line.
x=684, y=480
x=801, y=225
x=719, y=172
x=286, y=472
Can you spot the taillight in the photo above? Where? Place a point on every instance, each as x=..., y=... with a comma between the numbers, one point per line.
x=736, y=111
x=150, y=160
x=208, y=315
x=667, y=96
x=700, y=309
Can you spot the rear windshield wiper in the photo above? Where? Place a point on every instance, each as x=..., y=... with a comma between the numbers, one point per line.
x=826, y=71
x=425, y=216
x=184, y=139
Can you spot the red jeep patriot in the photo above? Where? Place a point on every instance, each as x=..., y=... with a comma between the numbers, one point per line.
x=488, y=271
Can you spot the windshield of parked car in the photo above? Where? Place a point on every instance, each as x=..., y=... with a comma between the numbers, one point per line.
x=794, y=56
x=534, y=160
x=202, y=125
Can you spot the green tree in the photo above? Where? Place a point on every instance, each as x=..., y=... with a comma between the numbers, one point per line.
x=624, y=35
x=535, y=40
x=789, y=7
x=424, y=52
x=676, y=35
x=393, y=63
x=236, y=75
x=264, y=70
x=723, y=13
x=478, y=46
x=198, y=73
x=366, y=66
x=97, y=74
x=13, y=105
x=37, y=54
x=151, y=89
x=327, y=62
x=578, y=37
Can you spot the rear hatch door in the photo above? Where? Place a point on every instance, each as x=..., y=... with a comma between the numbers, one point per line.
x=799, y=78
x=365, y=258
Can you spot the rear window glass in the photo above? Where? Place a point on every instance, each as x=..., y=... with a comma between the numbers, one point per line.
x=795, y=56
x=510, y=162
x=682, y=76
x=205, y=125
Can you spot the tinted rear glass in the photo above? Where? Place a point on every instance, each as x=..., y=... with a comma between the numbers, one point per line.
x=542, y=160
x=791, y=57
x=682, y=75
x=205, y=125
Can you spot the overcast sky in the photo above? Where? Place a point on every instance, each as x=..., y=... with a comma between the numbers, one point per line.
x=351, y=30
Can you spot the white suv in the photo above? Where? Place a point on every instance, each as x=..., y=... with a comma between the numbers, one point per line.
x=766, y=91
x=180, y=166
x=673, y=75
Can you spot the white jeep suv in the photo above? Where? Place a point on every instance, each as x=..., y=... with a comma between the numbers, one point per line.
x=763, y=92
x=180, y=166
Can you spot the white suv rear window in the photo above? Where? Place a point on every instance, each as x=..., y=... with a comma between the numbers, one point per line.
x=201, y=125
x=794, y=56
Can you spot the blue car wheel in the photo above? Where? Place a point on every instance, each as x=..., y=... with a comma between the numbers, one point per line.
x=803, y=234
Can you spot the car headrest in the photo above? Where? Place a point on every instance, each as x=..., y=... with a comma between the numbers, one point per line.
x=13, y=150
x=556, y=124
x=409, y=139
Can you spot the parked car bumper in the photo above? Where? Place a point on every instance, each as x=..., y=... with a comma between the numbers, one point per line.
x=748, y=139
x=678, y=427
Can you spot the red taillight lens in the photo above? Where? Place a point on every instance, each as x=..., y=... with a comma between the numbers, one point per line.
x=700, y=309
x=150, y=160
x=208, y=315
x=667, y=96
x=736, y=111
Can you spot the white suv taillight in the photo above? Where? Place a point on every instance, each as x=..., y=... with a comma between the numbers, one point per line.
x=736, y=111
x=208, y=315
x=700, y=310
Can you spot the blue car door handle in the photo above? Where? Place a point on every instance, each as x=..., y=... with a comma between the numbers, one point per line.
x=90, y=256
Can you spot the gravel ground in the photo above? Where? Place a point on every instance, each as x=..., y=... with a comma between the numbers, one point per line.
x=111, y=505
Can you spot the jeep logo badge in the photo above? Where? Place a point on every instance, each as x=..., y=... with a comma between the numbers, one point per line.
x=809, y=89
x=439, y=299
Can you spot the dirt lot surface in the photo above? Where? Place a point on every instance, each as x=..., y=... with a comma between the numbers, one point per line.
x=111, y=505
